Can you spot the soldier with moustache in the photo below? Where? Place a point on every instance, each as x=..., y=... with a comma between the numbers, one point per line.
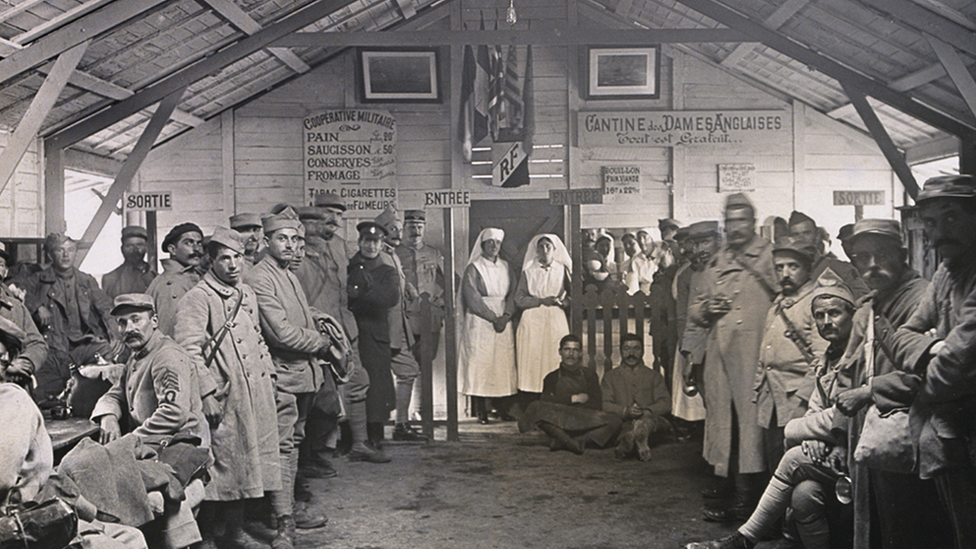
x=248, y=225
x=805, y=232
x=134, y=275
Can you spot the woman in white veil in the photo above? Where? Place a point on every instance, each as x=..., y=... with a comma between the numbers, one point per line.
x=486, y=355
x=541, y=295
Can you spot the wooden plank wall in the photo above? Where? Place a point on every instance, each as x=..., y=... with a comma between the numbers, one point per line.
x=21, y=202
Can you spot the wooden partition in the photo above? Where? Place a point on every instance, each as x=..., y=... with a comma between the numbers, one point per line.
x=606, y=315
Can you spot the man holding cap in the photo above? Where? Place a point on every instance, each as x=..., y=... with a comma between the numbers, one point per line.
x=219, y=328
x=72, y=313
x=374, y=290
x=288, y=324
x=156, y=399
x=134, y=274
x=946, y=364
x=248, y=225
x=184, y=244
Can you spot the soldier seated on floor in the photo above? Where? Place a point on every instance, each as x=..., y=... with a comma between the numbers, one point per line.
x=640, y=396
x=569, y=410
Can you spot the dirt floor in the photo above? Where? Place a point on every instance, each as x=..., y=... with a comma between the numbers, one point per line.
x=497, y=488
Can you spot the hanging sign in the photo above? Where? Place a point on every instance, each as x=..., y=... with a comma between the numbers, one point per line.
x=621, y=180
x=569, y=197
x=859, y=198
x=352, y=152
x=681, y=128
x=148, y=201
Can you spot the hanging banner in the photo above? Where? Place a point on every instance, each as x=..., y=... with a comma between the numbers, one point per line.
x=352, y=152
x=682, y=128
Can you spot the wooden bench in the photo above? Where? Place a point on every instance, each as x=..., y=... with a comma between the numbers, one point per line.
x=66, y=433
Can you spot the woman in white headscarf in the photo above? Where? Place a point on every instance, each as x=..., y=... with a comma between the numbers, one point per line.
x=487, y=351
x=541, y=295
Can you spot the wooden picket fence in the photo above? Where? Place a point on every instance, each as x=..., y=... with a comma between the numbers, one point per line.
x=606, y=315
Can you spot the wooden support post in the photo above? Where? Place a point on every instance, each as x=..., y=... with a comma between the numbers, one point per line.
x=53, y=190
x=884, y=141
x=128, y=171
x=576, y=284
x=450, y=328
x=152, y=251
x=428, y=338
x=38, y=110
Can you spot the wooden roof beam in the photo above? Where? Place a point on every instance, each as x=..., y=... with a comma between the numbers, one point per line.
x=553, y=35
x=19, y=8
x=74, y=13
x=193, y=73
x=775, y=20
x=915, y=16
x=238, y=18
x=957, y=70
x=69, y=36
x=128, y=171
x=37, y=111
x=895, y=158
x=832, y=68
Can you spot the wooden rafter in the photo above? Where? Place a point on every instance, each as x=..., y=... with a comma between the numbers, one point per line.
x=881, y=137
x=202, y=69
x=832, y=68
x=776, y=20
x=915, y=16
x=81, y=30
x=237, y=17
x=39, y=108
x=74, y=13
x=128, y=171
x=957, y=70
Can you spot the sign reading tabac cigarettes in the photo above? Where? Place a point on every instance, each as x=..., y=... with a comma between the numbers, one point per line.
x=352, y=152
x=682, y=128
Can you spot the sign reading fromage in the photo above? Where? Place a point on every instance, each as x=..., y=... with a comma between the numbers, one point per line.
x=352, y=152
x=681, y=128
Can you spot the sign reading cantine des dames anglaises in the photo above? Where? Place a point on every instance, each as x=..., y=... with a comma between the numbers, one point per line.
x=681, y=128
x=353, y=153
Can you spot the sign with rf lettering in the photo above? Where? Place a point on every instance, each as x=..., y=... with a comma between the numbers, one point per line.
x=504, y=168
x=352, y=152
x=148, y=201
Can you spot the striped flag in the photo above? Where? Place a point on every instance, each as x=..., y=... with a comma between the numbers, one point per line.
x=496, y=99
x=511, y=167
x=474, y=97
x=512, y=91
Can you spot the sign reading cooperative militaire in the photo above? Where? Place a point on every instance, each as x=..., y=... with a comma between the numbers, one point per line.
x=681, y=128
x=568, y=197
x=148, y=201
x=859, y=198
x=353, y=153
x=621, y=180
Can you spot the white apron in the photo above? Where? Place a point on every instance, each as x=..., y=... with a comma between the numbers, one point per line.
x=541, y=328
x=487, y=358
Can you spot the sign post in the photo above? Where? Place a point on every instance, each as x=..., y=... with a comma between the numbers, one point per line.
x=573, y=198
x=859, y=199
x=149, y=202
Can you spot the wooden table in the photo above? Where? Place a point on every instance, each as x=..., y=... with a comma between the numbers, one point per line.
x=65, y=433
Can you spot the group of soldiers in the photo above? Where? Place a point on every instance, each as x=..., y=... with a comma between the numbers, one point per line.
x=805, y=363
x=253, y=342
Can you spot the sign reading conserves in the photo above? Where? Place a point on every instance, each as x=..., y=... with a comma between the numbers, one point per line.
x=566, y=197
x=148, y=201
x=859, y=198
x=680, y=128
x=352, y=152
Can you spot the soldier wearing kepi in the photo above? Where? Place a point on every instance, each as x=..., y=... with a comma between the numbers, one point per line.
x=134, y=275
x=738, y=291
x=289, y=328
x=942, y=413
x=248, y=225
x=405, y=366
x=219, y=327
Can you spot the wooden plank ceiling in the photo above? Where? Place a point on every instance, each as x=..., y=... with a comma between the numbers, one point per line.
x=901, y=46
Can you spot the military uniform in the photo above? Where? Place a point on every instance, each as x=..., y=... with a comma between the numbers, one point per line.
x=167, y=289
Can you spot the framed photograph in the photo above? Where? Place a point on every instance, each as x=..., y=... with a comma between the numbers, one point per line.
x=622, y=73
x=398, y=75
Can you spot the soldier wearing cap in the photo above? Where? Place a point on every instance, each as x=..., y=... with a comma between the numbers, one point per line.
x=324, y=276
x=32, y=350
x=72, y=313
x=804, y=230
x=134, y=274
x=405, y=366
x=219, y=327
x=790, y=347
x=702, y=243
x=739, y=288
x=248, y=225
x=288, y=324
x=155, y=399
x=374, y=291
x=945, y=364
x=181, y=271
x=423, y=266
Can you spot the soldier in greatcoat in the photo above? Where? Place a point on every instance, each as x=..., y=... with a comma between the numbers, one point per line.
x=739, y=290
x=218, y=325
x=134, y=275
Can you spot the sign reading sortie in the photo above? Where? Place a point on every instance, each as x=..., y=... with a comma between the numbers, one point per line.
x=353, y=153
x=681, y=128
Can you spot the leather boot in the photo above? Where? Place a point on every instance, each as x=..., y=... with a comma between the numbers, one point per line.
x=286, y=533
x=561, y=437
x=735, y=541
x=403, y=432
x=236, y=537
x=743, y=503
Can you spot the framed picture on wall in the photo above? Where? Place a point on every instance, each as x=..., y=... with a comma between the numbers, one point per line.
x=621, y=73
x=398, y=75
